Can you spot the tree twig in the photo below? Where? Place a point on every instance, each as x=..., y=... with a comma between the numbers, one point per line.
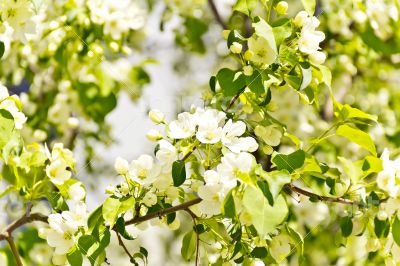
x=21, y=221
x=322, y=198
x=164, y=212
x=217, y=15
x=194, y=218
x=122, y=244
x=14, y=250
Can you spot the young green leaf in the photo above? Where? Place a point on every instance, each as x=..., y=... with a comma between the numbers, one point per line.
x=188, y=245
x=75, y=258
x=346, y=225
x=265, y=217
x=289, y=162
x=231, y=83
x=309, y=6
x=113, y=207
x=357, y=136
x=178, y=172
x=396, y=230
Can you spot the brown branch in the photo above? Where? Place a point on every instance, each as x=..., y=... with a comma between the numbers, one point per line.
x=164, y=212
x=194, y=217
x=14, y=250
x=21, y=221
x=322, y=198
x=217, y=15
x=189, y=153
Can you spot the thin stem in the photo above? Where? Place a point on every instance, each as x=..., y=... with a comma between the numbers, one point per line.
x=217, y=15
x=122, y=244
x=322, y=198
x=194, y=218
x=164, y=212
x=14, y=250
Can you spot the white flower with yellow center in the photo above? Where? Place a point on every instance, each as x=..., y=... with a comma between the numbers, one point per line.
x=57, y=171
x=263, y=53
x=230, y=137
x=209, y=132
x=234, y=166
x=61, y=234
x=212, y=193
x=183, y=127
x=310, y=38
x=144, y=170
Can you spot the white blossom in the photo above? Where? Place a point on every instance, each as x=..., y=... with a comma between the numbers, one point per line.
x=144, y=170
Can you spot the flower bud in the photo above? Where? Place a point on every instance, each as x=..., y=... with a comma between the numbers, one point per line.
x=300, y=18
x=248, y=55
x=381, y=215
x=225, y=34
x=248, y=70
x=150, y=199
x=156, y=116
x=281, y=8
x=317, y=58
x=110, y=189
x=121, y=166
x=154, y=135
x=40, y=135
x=73, y=122
x=236, y=48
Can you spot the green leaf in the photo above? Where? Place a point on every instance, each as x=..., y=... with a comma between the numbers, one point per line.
x=178, y=172
x=264, y=187
x=6, y=127
x=191, y=37
x=305, y=76
x=113, y=207
x=120, y=226
x=94, y=249
x=381, y=228
x=396, y=230
x=357, y=136
x=379, y=45
x=298, y=239
x=228, y=207
x=95, y=218
x=264, y=30
x=188, y=245
x=259, y=252
x=245, y=6
x=282, y=30
x=346, y=225
x=231, y=83
x=2, y=49
x=309, y=6
x=347, y=112
x=255, y=83
x=75, y=258
x=265, y=217
x=289, y=162
x=234, y=36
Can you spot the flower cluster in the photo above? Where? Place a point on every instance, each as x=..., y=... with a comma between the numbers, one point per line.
x=310, y=38
x=16, y=21
x=61, y=164
x=117, y=17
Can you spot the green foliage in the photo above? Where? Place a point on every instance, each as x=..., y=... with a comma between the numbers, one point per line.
x=265, y=217
x=178, y=172
x=113, y=207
